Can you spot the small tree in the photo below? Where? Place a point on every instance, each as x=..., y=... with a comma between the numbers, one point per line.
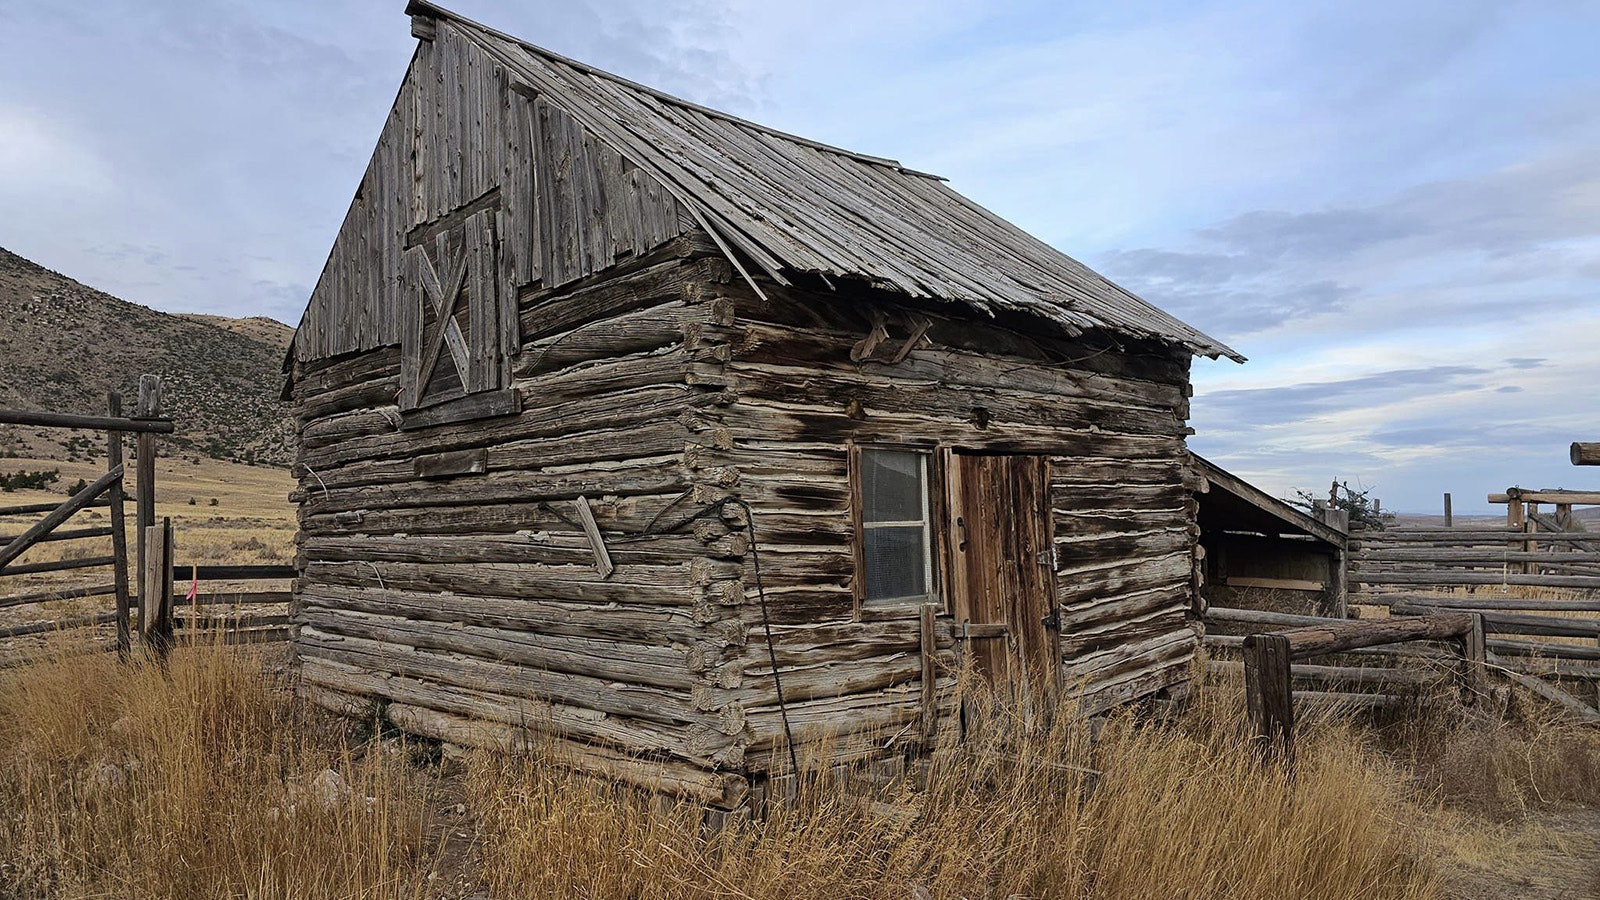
x=1363, y=509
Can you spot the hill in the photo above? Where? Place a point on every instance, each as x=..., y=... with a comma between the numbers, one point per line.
x=65, y=345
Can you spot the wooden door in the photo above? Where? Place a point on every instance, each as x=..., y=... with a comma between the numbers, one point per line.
x=1004, y=569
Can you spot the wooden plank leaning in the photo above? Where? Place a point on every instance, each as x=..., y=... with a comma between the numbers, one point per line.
x=144, y=484
x=60, y=514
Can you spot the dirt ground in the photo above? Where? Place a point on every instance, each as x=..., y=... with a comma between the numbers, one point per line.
x=1549, y=855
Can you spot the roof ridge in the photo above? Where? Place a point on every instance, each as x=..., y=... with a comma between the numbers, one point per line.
x=426, y=7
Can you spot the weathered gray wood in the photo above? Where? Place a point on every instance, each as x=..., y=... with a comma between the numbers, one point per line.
x=68, y=508
x=452, y=463
x=1449, y=577
x=486, y=405
x=147, y=406
x=1568, y=703
x=1585, y=454
x=50, y=596
x=94, y=423
x=1269, y=694
x=602, y=558
x=62, y=565
x=1514, y=623
x=1335, y=636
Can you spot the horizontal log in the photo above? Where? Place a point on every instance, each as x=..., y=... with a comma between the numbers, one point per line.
x=1551, y=668
x=1377, y=675
x=95, y=423
x=678, y=585
x=1584, y=453
x=60, y=565
x=1515, y=623
x=1576, y=498
x=231, y=623
x=71, y=534
x=667, y=625
x=644, y=664
x=1348, y=701
x=242, y=598
x=28, y=509
x=62, y=624
x=1516, y=647
x=51, y=596
x=1373, y=540
x=1335, y=636
x=1228, y=616
x=1472, y=602
x=1408, y=650
x=1445, y=577
x=1485, y=557
x=233, y=573
x=631, y=717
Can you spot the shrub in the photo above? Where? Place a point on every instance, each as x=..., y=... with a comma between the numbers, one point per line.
x=26, y=480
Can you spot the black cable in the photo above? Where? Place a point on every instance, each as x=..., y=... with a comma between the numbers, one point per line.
x=766, y=625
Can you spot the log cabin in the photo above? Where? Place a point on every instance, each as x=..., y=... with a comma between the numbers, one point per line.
x=677, y=442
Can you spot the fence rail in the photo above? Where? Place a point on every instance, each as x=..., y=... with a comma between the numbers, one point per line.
x=1530, y=582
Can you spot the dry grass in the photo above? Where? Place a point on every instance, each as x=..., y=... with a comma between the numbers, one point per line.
x=204, y=780
x=207, y=780
x=1182, y=809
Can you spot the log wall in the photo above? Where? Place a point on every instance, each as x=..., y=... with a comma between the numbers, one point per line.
x=1112, y=421
x=476, y=596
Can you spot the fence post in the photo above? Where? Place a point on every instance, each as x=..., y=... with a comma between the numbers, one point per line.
x=1473, y=656
x=119, y=534
x=148, y=407
x=1449, y=522
x=1269, y=694
x=155, y=587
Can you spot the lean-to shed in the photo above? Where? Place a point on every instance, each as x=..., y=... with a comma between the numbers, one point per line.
x=648, y=430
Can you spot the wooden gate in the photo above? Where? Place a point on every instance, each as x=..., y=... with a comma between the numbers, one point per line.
x=1004, y=572
x=146, y=424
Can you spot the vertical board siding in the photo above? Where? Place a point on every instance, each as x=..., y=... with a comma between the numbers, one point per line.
x=571, y=205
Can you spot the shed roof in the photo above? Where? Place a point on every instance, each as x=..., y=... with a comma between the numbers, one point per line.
x=795, y=206
x=1228, y=502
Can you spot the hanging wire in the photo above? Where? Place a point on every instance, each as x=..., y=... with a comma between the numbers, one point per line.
x=716, y=508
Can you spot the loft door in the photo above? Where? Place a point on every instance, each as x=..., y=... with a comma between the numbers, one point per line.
x=1004, y=570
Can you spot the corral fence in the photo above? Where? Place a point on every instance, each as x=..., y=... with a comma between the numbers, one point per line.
x=1535, y=582
x=141, y=589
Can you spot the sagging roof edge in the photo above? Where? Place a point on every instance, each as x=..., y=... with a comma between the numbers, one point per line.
x=1214, y=476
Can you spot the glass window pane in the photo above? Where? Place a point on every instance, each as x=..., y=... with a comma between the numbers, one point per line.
x=891, y=486
x=896, y=562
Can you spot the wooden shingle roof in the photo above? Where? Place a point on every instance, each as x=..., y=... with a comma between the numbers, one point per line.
x=793, y=206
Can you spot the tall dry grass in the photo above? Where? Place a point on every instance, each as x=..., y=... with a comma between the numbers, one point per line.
x=1181, y=809
x=205, y=779
x=209, y=780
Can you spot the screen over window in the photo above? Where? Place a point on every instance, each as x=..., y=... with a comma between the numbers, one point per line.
x=894, y=524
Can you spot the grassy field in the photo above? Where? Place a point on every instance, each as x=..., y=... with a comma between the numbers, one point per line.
x=211, y=780
x=221, y=513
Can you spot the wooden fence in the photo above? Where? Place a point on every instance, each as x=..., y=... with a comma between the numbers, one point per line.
x=1535, y=582
x=142, y=605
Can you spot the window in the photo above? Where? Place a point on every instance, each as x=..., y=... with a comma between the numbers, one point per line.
x=896, y=562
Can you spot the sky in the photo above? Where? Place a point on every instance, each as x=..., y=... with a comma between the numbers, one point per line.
x=1393, y=209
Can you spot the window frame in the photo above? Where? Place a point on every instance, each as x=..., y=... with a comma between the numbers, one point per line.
x=932, y=542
